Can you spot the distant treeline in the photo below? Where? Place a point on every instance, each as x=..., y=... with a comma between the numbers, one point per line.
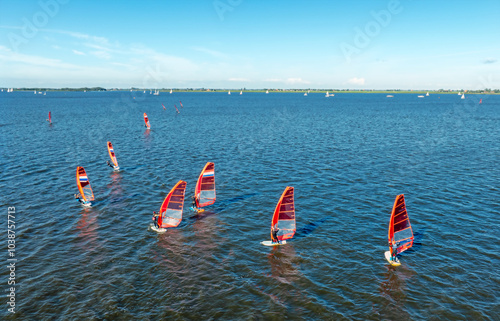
x=313, y=90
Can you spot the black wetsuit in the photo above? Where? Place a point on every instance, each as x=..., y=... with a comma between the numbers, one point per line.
x=194, y=201
x=275, y=235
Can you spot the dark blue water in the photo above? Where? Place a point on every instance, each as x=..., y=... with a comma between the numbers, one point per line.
x=347, y=157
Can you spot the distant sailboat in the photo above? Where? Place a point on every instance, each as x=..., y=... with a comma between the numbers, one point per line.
x=241, y=92
x=463, y=96
x=157, y=92
x=170, y=90
x=327, y=94
x=35, y=92
x=267, y=91
x=459, y=93
x=389, y=96
x=420, y=96
x=427, y=94
x=305, y=94
x=229, y=92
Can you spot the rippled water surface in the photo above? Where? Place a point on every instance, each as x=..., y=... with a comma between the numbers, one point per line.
x=347, y=156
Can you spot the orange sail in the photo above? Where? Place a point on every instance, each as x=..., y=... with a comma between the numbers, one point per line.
x=205, y=187
x=82, y=181
x=171, y=209
x=400, y=231
x=112, y=155
x=146, y=121
x=284, y=216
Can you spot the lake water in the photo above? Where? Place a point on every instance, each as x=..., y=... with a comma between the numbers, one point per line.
x=347, y=156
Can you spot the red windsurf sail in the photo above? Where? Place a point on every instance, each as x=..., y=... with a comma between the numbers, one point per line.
x=146, y=121
x=112, y=155
x=181, y=104
x=400, y=231
x=171, y=209
x=284, y=216
x=481, y=100
x=205, y=187
x=50, y=118
x=164, y=107
x=82, y=181
x=177, y=109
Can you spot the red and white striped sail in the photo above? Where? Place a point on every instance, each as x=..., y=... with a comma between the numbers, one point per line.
x=173, y=204
x=284, y=216
x=400, y=230
x=112, y=155
x=146, y=121
x=205, y=187
x=82, y=181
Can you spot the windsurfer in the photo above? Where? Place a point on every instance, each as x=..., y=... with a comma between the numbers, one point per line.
x=107, y=162
x=394, y=252
x=275, y=231
x=193, y=202
x=155, y=219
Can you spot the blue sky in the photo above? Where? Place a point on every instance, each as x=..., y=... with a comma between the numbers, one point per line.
x=406, y=44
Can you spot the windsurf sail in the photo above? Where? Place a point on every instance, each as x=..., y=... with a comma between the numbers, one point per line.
x=163, y=107
x=82, y=181
x=400, y=231
x=284, y=216
x=146, y=120
x=171, y=209
x=180, y=102
x=205, y=187
x=177, y=109
x=50, y=118
x=480, y=101
x=112, y=155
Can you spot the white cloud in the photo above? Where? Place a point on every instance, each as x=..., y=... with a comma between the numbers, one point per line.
x=295, y=81
x=356, y=81
x=76, y=52
x=213, y=53
x=238, y=79
x=101, y=54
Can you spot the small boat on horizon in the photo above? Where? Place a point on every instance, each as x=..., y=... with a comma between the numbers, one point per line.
x=267, y=91
x=463, y=96
x=427, y=94
x=420, y=96
x=229, y=92
x=389, y=96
